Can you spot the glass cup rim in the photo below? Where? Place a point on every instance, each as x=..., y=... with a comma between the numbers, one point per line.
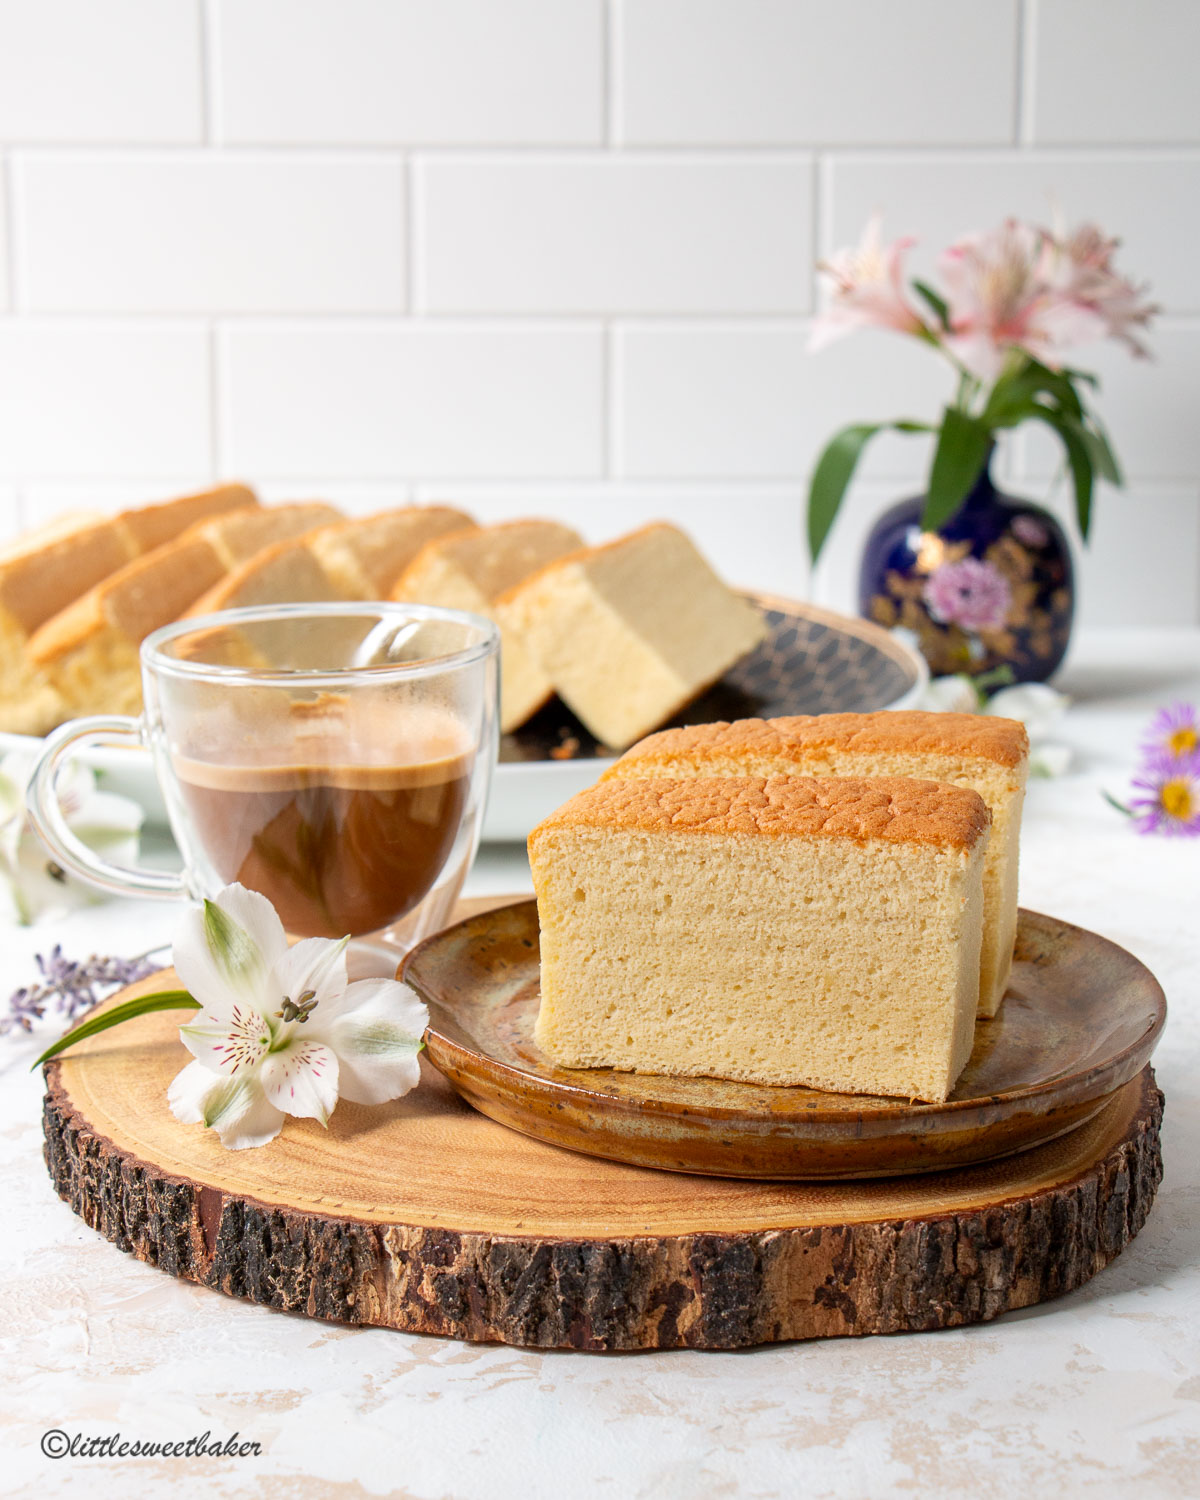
x=154, y=658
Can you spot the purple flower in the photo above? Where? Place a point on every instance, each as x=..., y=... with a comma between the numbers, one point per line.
x=69, y=987
x=1030, y=530
x=970, y=593
x=1174, y=731
x=1168, y=795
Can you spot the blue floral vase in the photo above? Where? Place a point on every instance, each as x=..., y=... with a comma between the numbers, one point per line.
x=992, y=588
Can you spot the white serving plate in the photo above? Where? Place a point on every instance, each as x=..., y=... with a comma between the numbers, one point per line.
x=814, y=661
x=522, y=794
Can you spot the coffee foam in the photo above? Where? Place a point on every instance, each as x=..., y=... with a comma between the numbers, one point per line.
x=331, y=740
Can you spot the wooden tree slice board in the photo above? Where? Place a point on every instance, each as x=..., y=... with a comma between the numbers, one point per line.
x=426, y=1216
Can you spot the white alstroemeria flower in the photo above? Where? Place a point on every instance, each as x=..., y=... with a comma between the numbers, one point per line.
x=1039, y=708
x=35, y=886
x=1049, y=760
x=949, y=695
x=279, y=1030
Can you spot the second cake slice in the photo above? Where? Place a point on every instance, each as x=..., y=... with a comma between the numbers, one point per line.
x=988, y=755
x=780, y=930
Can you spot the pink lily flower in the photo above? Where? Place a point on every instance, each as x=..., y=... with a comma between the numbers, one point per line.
x=1079, y=267
x=999, y=300
x=868, y=289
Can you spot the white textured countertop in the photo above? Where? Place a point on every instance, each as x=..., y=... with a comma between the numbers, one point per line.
x=1097, y=1393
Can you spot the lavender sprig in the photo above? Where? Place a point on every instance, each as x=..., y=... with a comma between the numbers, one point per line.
x=69, y=987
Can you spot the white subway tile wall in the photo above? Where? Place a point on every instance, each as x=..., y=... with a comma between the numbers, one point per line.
x=125, y=72
x=558, y=256
x=208, y=233
x=372, y=400
x=613, y=234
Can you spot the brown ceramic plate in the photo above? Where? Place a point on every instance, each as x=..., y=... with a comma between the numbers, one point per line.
x=1080, y=1019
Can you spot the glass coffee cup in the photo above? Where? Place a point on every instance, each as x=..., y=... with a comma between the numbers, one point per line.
x=335, y=757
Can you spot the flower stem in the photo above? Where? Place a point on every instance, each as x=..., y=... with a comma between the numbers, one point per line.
x=140, y=1005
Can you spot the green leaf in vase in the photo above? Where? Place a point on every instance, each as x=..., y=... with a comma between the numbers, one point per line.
x=834, y=471
x=958, y=461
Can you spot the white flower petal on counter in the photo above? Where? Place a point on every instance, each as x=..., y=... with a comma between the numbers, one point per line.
x=1038, y=706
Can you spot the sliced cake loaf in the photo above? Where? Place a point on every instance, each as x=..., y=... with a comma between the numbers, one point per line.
x=48, y=569
x=355, y=559
x=471, y=570
x=783, y=930
x=238, y=538
x=155, y=525
x=366, y=557
x=631, y=631
x=989, y=755
x=88, y=652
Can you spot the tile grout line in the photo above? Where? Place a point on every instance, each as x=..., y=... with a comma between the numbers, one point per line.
x=206, y=21
x=789, y=320
x=415, y=291
x=1098, y=153
x=216, y=385
x=781, y=487
x=607, y=402
x=1020, y=20
x=819, y=233
x=8, y=182
x=1027, y=71
x=406, y=197
x=608, y=71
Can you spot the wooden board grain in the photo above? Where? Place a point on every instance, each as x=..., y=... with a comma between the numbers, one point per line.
x=424, y=1215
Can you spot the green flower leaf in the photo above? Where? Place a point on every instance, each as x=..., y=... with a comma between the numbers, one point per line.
x=958, y=461
x=936, y=303
x=834, y=471
x=1015, y=396
x=1104, y=460
x=1079, y=461
x=141, y=1005
x=234, y=951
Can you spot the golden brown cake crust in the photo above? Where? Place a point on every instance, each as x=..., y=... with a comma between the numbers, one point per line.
x=894, y=808
x=978, y=736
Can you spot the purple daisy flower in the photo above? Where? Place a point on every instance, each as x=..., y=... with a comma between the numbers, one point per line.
x=1174, y=731
x=1167, y=799
x=970, y=593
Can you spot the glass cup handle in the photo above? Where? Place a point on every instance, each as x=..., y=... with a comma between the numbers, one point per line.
x=69, y=850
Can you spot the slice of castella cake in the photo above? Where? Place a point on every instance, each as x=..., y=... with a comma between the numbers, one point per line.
x=988, y=754
x=630, y=631
x=470, y=569
x=781, y=930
